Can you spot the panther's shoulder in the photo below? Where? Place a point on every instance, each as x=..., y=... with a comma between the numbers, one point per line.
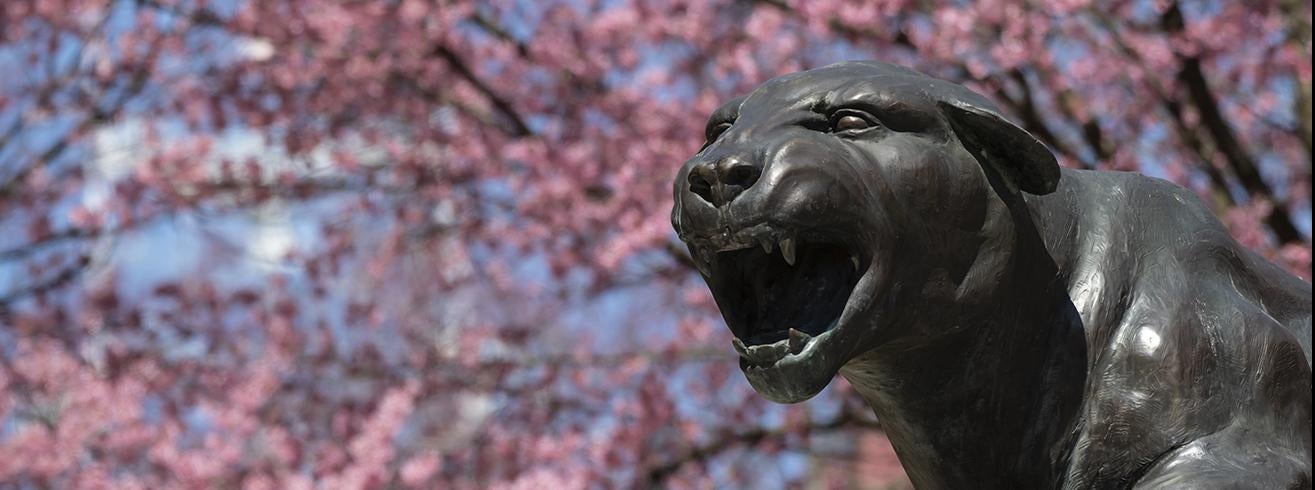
x=1142, y=243
x=1125, y=205
x=1105, y=229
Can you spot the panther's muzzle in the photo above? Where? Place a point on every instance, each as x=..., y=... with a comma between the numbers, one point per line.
x=783, y=262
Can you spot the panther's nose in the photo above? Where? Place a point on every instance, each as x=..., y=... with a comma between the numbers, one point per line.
x=719, y=181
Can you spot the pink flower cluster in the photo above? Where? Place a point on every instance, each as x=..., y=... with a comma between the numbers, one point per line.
x=427, y=245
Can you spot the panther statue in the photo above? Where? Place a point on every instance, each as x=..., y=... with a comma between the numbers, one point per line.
x=1013, y=324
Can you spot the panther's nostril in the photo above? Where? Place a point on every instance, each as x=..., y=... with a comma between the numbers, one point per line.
x=742, y=175
x=719, y=182
x=701, y=181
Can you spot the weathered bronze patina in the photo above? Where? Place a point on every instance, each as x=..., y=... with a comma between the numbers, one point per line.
x=1011, y=323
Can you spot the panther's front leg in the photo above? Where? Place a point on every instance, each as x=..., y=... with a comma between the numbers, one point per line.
x=1232, y=458
x=1266, y=442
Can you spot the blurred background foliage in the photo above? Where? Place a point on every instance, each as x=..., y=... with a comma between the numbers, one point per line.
x=380, y=244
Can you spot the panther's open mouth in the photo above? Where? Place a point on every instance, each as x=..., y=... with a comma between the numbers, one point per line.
x=778, y=294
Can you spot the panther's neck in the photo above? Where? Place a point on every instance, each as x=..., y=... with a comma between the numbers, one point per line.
x=994, y=403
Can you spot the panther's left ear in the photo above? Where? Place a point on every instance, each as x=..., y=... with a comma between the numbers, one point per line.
x=1012, y=150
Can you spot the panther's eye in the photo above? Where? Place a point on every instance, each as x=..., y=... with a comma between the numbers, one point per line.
x=716, y=131
x=846, y=123
x=849, y=120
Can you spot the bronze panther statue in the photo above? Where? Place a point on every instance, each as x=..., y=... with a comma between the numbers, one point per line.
x=1012, y=324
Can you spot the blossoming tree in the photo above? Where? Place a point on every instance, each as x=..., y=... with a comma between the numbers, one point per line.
x=427, y=242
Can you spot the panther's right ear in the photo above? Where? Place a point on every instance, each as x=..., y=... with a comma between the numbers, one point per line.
x=1010, y=149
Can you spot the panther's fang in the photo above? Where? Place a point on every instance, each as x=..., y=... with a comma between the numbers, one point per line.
x=787, y=250
x=797, y=341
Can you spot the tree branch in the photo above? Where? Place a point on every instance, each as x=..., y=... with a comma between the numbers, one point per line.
x=33, y=247
x=1226, y=141
x=1030, y=115
x=657, y=474
x=1299, y=33
x=1172, y=106
x=518, y=126
x=63, y=277
x=500, y=33
x=97, y=116
x=680, y=254
x=1193, y=141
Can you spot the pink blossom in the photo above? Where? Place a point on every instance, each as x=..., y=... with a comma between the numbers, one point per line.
x=484, y=290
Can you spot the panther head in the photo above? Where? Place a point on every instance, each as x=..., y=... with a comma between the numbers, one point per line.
x=828, y=208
